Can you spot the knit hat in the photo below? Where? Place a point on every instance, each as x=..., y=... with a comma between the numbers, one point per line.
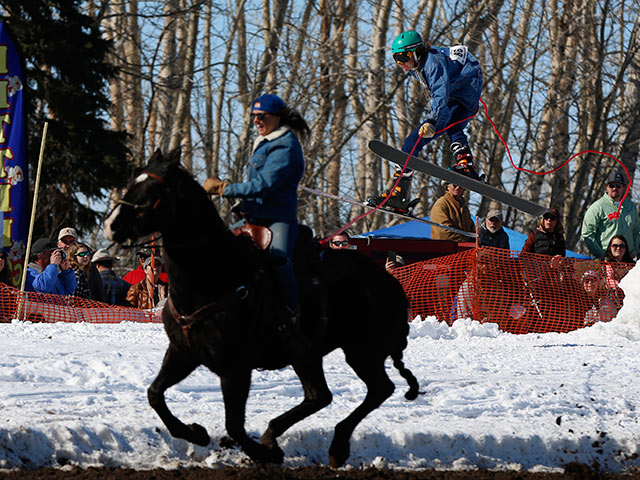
x=269, y=103
x=617, y=176
x=590, y=274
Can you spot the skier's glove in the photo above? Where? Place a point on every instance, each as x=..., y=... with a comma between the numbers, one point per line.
x=426, y=130
x=214, y=186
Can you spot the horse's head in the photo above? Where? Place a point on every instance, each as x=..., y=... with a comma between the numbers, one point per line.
x=148, y=199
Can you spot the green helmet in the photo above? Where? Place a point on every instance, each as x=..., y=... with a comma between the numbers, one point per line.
x=408, y=41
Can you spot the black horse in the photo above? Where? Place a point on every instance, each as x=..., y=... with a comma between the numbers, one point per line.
x=222, y=311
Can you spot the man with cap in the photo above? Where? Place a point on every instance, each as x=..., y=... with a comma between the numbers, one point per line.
x=270, y=194
x=451, y=210
x=67, y=237
x=115, y=288
x=599, y=225
x=49, y=270
x=491, y=233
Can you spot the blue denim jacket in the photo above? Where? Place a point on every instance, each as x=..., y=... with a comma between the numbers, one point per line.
x=275, y=169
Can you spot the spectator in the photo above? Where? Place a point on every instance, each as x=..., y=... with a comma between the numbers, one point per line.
x=393, y=261
x=67, y=237
x=598, y=228
x=136, y=275
x=548, y=237
x=5, y=271
x=451, y=210
x=617, y=260
x=149, y=291
x=597, y=303
x=340, y=241
x=491, y=233
x=80, y=261
x=115, y=288
x=49, y=270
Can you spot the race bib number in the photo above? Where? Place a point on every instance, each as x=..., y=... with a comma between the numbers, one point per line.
x=458, y=53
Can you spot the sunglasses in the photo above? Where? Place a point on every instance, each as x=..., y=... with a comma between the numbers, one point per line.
x=614, y=185
x=549, y=217
x=259, y=116
x=618, y=245
x=339, y=243
x=83, y=254
x=403, y=57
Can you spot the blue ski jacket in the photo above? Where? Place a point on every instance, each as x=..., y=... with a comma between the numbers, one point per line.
x=275, y=169
x=50, y=280
x=452, y=74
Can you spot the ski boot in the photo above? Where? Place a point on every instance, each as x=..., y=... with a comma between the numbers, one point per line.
x=464, y=161
x=399, y=199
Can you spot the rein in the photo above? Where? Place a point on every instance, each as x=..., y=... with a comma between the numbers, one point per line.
x=188, y=321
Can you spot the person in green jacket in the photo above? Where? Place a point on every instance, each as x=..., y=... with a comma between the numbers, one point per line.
x=597, y=226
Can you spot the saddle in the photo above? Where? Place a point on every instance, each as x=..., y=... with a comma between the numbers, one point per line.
x=259, y=235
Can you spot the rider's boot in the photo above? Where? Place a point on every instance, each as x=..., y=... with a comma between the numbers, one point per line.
x=400, y=196
x=463, y=159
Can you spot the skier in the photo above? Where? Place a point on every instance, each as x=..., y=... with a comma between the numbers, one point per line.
x=452, y=77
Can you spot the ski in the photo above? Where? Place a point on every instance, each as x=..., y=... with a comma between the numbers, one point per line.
x=421, y=165
x=406, y=216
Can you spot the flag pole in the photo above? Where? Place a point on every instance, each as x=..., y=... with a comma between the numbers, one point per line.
x=33, y=216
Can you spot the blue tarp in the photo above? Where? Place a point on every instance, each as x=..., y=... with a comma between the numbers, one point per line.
x=413, y=229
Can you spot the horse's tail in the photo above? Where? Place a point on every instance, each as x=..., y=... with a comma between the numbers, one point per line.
x=414, y=388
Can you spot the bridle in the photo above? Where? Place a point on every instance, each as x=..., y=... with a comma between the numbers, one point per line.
x=147, y=206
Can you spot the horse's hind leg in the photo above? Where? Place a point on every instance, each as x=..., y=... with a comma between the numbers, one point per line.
x=176, y=366
x=379, y=388
x=316, y=397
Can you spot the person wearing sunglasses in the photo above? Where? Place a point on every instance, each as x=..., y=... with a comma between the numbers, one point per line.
x=617, y=260
x=80, y=261
x=452, y=79
x=599, y=225
x=548, y=236
x=270, y=195
x=339, y=241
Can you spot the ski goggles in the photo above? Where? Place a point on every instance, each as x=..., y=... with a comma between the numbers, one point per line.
x=403, y=57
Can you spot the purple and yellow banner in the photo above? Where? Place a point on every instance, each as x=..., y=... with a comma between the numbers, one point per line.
x=13, y=168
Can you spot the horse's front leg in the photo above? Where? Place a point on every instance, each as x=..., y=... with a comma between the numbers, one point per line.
x=235, y=391
x=176, y=366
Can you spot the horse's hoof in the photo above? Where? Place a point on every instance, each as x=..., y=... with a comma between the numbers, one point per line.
x=198, y=435
x=263, y=454
x=338, y=454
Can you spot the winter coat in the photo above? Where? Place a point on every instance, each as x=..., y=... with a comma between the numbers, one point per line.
x=82, y=289
x=545, y=243
x=138, y=294
x=115, y=289
x=452, y=74
x=50, y=279
x=486, y=238
x=597, y=229
x=275, y=169
x=453, y=213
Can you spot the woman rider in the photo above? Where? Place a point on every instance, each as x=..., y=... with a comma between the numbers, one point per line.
x=276, y=166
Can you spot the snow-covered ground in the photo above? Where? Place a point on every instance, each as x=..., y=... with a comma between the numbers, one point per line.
x=76, y=394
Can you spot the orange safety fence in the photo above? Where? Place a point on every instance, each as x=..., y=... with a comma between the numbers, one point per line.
x=521, y=292
x=40, y=307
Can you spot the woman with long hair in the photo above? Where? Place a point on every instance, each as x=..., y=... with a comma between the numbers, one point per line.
x=617, y=260
x=80, y=262
x=548, y=236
